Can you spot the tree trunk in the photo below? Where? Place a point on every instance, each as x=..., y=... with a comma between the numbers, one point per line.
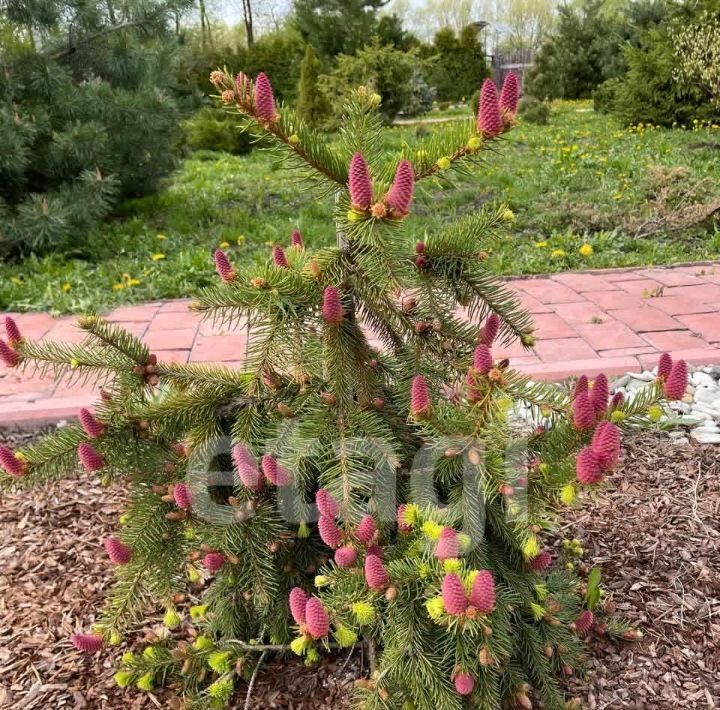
x=248, y=19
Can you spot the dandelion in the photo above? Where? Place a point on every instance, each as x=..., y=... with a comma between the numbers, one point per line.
x=161, y=237
x=158, y=256
x=541, y=245
x=557, y=253
x=224, y=245
x=586, y=250
x=65, y=287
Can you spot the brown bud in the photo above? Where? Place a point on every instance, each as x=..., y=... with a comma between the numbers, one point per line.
x=364, y=683
x=169, y=467
x=524, y=702
x=384, y=695
x=329, y=398
x=471, y=612
x=485, y=657
x=314, y=269
x=391, y=593
x=207, y=548
x=273, y=547
x=610, y=607
x=247, y=595
x=421, y=262
x=232, y=559
x=474, y=456
x=186, y=667
x=495, y=375
x=567, y=670
x=152, y=359
x=194, y=556
x=408, y=304
x=176, y=515
x=167, y=498
x=258, y=282
x=378, y=402
x=548, y=651
x=139, y=369
x=482, y=255
x=373, y=363
x=506, y=489
x=421, y=327
x=150, y=369
x=451, y=453
x=285, y=411
x=152, y=380
x=105, y=395
x=437, y=324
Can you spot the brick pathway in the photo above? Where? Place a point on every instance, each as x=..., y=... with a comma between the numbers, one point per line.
x=613, y=321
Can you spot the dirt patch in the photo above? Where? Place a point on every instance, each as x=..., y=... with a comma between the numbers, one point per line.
x=654, y=530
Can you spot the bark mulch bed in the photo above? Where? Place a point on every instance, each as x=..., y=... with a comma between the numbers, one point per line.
x=655, y=531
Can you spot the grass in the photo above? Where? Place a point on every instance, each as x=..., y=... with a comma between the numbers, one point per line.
x=582, y=189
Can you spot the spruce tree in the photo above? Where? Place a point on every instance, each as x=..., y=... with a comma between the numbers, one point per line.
x=361, y=480
x=87, y=114
x=311, y=104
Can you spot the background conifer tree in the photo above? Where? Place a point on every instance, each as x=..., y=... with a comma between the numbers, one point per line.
x=311, y=104
x=361, y=480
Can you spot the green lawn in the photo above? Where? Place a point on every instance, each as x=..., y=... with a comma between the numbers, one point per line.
x=581, y=180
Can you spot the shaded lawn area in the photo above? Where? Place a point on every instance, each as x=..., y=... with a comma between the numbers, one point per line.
x=578, y=185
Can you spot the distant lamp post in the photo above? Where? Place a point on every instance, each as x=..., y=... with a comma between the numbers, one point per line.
x=479, y=26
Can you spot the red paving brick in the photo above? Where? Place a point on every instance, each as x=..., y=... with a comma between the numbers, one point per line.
x=591, y=322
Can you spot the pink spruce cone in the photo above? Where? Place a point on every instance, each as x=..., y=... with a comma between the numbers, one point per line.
x=214, y=561
x=296, y=239
x=89, y=457
x=510, y=94
x=375, y=550
x=419, y=396
x=8, y=355
x=345, y=556
x=279, y=258
x=87, y=643
x=583, y=412
x=541, y=561
x=402, y=525
x=12, y=465
x=400, y=194
x=587, y=466
x=327, y=505
x=581, y=386
x=453, y=594
x=665, y=364
x=677, y=381
x=117, y=552
x=464, y=683
x=13, y=332
x=482, y=359
x=329, y=532
x=264, y=99
x=366, y=529
x=490, y=330
x=316, y=618
x=182, y=496
x=600, y=393
x=489, y=119
x=448, y=545
x=584, y=622
x=482, y=595
x=297, y=600
x=376, y=575
x=332, y=310
x=359, y=183
x=223, y=266
x=606, y=445
x=277, y=474
x=247, y=467
x=617, y=401
x=91, y=426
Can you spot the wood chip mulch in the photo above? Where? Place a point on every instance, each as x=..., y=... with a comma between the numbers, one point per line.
x=655, y=531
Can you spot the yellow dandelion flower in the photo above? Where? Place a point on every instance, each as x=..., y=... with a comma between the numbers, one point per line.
x=586, y=250
x=65, y=287
x=158, y=256
x=224, y=245
x=541, y=245
x=161, y=237
x=118, y=287
x=557, y=253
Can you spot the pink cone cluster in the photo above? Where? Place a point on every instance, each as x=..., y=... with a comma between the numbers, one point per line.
x=223, y=266
x=247, y=468
x=332, y=310
x=91, y=426
x=317, y=622
x=489, y=331
x=541, y=561
x=674, y=376
x=264, y=99
x=8, y=354
x=359, y=183
x=419, y=397
x=326, y=503
x=464, y=683
x=182, y=496
x=329, y=532
x=376, y=575
x=214, y=561
x=346, y=556
x=298, y=601
x=403, y=527
x=296, y=239
x=602, y=455
x=599, y=394
x=12, y=464
x=90, y=458
x=510, y=94
x=87, y=643
x=279, y=257
x=366, y=529
x=584, y=622
x=118, y=553
x=448, y=545
x=584, y=415
x=489, y=118
x=275, y=472
x=481, y=597
x=400, y=195
x=482, y=359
